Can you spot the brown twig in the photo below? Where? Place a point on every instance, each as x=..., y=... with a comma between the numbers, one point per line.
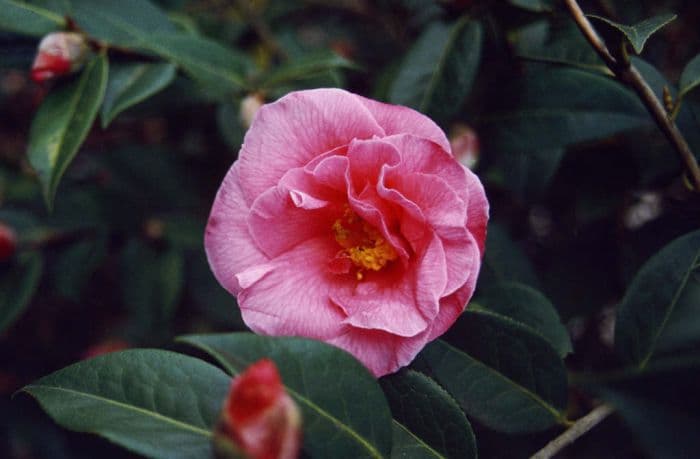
x=571, y=434
x=627, y=73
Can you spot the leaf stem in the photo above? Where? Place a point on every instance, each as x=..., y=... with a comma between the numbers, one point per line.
x=627, y=73
x=572, y=434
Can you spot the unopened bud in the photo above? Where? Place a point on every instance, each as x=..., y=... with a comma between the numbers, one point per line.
x=259, y=419
x=8, y=242
x=250, y=106
x=105, y=347
x=59, y=53
x=465, y=145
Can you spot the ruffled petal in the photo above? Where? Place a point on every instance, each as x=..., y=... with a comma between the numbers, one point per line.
x=477, y=210
x=292, y=297
x=229, y=246
x=297, y=128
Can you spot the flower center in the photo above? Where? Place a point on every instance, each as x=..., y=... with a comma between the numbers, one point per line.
x=362, y=243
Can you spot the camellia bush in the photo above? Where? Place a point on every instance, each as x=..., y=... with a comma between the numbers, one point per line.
x=349, y=228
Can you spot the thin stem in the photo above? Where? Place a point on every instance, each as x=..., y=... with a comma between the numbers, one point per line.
x=627, y=73
x=570, y=435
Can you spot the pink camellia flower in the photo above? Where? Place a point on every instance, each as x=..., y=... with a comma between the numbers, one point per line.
x=59, y=53
x=259, y=419
x=349, y=221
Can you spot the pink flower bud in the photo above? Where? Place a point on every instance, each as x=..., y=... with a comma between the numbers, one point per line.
x=465, y=145
x=59, y=53
x=259, y=419
x=8, y=242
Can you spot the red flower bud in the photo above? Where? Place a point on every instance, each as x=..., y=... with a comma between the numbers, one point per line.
x=465, y=145
x=59, y=53
x=259, y=419
x=8, y=242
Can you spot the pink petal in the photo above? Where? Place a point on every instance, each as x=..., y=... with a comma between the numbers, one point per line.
x=382, y=353
x=292, y=298
x=229, y=246
x=396, y=119
x=295, y=129
x=477, y=211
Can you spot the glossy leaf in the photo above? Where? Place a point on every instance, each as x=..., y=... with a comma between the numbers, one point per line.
x=408, y=446
x=438, y=71
x=661, y=308
x=690, y=78
x=306, y=67
x=30, y=19
x=156, y=403
x=130, y=84
x=345, y=413
x=639, y=33
x=504, y=260
x=62, y=123
x=528, y=307
x=429, y=414
x=502, y=374
x=17, y=286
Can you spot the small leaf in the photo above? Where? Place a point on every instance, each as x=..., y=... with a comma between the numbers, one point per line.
x=156, y=403
x=17, y=286
x=638, y=34
x=344, y=411
x=74, y=265
x=62, y=123
x=690, y=78
x=502, y=374
x=130, y=84
x=429, y=414
x=438, y=71
x=306, y=67
x=26, y=18
x=660, y=311
x=528, y=307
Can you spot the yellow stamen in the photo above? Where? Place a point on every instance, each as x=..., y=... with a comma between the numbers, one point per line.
x=363, y=244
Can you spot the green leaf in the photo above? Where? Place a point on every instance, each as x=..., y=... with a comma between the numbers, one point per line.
x=428, y=414
x=74, y=265
x=306, y=67
x=26, y=18
x=639, y=33
x=438, y=71
x=344, y=411
x=17, y=286
x=132, y=83
x=156, y=403
x=140, y=24
x=408, y=446
x=504, y=260
x=528, y=307
x=661, y=308
x=505, y=376
x=62, y=123
x=690, y=78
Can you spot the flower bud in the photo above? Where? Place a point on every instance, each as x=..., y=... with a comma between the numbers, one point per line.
x=8, y=242
x=59, y=53
x=259, y=419
x=465, y=145
x=250, y=106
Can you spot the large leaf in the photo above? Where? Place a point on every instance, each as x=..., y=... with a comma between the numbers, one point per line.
x=62, y=123
x=502, y=374
x=306, y=67
x=661, y=308
x=639, y=33
x=17, y=286
x=140, y=24
x=130, y=84
x=156, y=403
x=407, y=446
x=26, y=18
x=529, y=307
x=438, y=72
x=690, y=78
x=345, y=413
x=504, y=260
x=424, y=411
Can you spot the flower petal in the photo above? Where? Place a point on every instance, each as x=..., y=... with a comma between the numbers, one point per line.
x=292, y=298
x=229, y=245
x=297, y=128
x=477, y=210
